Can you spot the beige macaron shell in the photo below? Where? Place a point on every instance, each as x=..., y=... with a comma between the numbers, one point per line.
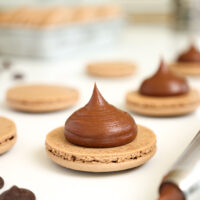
x=119, y=158
x=41, y=98
x=7, y=134
x=163, y=106
x=111, y=69
x=186, y=69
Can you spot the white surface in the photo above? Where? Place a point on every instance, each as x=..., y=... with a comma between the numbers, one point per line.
x=27, y=165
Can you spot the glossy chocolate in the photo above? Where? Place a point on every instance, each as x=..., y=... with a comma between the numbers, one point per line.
x=16, y=193
x=191, y=55
x=164, y=84
x=170, y=192
x=99, y=124
x=1, y=182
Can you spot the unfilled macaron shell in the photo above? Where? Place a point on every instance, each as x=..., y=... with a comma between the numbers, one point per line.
x=41, y=98
x=111, y=69
x=7, y=134
x=119, y=158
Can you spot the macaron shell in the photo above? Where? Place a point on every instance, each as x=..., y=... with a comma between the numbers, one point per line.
x=186, y=69
x=7, y=134
x=119, y=158
x=163, y=106
x=41, y=98
x=40, y=108
x=111, y=69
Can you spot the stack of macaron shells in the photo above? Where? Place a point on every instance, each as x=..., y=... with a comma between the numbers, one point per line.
x=100, y=138
x=163, y=94
x=38, y=17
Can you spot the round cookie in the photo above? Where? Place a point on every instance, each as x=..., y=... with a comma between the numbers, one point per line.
x=111, y=69
x=41, y=98
x=163, y=106
x=119, y=158
x=186, y=69
x=7, y=134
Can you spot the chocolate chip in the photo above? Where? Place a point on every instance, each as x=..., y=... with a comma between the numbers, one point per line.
x=16, y=193
x=1, y=182
x=73, y=158
x=6, y=64
x=18, y=76
x=11, y=138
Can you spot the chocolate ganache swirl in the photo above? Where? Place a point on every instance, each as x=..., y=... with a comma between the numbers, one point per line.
x=164, y=83
x=99, y=124
x=191, y=55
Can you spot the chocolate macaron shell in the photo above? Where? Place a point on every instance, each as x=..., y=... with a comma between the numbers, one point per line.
x=163, y=106
x=186, y=69
x=39, y=98
x=111, y=69
x=164, y=83
x=71, y=156
x=99, y=124
x=7, y=134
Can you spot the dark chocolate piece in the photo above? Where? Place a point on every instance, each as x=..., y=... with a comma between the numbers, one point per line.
x=1, y=182
x=16, y=193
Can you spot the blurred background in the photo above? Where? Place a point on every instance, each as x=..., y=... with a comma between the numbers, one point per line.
x=52, y=41
x=41, y=32
x=168, y=11
x=53, y=29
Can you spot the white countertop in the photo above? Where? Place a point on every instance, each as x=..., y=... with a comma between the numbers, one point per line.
x=27, y=165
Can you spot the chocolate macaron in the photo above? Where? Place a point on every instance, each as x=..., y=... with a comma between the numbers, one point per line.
x=163, y=94
x=187, y=63
x=100, y=138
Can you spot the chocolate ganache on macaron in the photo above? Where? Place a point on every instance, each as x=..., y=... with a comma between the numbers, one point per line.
x=100, y=125
x=164, y=83
x=192, y=55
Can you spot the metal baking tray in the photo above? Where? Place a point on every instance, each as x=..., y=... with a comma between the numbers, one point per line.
x=57, y=41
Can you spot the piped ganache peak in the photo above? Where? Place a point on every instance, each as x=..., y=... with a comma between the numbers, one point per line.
x=192, y=55
x=164, y=83
x=99, y=124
